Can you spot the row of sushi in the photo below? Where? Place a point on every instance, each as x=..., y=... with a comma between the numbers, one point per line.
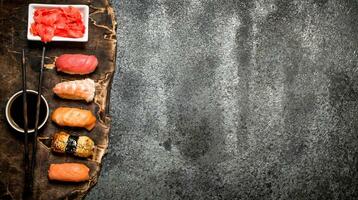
x=62, y=142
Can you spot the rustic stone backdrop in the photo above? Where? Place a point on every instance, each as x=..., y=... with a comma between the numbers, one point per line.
x=234, y=99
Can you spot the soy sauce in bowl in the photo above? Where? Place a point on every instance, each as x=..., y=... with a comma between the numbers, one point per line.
x=14, y=111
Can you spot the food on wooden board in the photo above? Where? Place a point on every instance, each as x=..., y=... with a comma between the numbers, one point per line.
x=63, y=22
x=81, y=146
x=76, y=63
x=74, y=117
x=76, y=90
x=68, y=172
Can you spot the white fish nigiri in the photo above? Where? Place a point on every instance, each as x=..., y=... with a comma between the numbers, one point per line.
x=76, y=90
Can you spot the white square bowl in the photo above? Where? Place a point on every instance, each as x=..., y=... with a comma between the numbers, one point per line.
x=82, y=8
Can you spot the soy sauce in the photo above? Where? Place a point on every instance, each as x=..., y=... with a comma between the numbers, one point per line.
x=16, y=110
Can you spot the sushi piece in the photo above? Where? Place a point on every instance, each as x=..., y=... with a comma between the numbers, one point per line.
x=68, y=172
x=74, y=117
x=76, y=63
x=76, y=90
x=81, y=146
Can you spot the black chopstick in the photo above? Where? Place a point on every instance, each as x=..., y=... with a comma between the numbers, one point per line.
x=34, y=146
x=24, y=104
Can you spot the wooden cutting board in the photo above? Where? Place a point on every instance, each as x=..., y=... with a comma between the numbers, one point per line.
x=102, y=43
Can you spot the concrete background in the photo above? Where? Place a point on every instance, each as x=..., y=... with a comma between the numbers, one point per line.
x=234, y=100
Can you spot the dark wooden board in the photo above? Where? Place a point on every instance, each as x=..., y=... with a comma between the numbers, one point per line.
x=102, y=43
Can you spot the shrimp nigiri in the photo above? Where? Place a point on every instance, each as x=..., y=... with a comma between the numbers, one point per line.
x=76, y=90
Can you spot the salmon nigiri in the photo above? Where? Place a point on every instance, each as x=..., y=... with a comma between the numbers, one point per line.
x=74, y=117
x=76, y=63
x=68, y=172
x=76, y=90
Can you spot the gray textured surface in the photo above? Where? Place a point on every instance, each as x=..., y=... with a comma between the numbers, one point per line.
x=234, y=99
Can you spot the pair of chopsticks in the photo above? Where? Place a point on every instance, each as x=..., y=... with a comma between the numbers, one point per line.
x=30, y=166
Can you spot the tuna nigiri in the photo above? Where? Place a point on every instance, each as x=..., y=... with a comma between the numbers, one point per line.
x=76, y=63
x=68, y=172
x=74, y=117
x=76, y=90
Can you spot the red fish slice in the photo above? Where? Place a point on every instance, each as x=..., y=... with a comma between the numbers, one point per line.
x=76, y=63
